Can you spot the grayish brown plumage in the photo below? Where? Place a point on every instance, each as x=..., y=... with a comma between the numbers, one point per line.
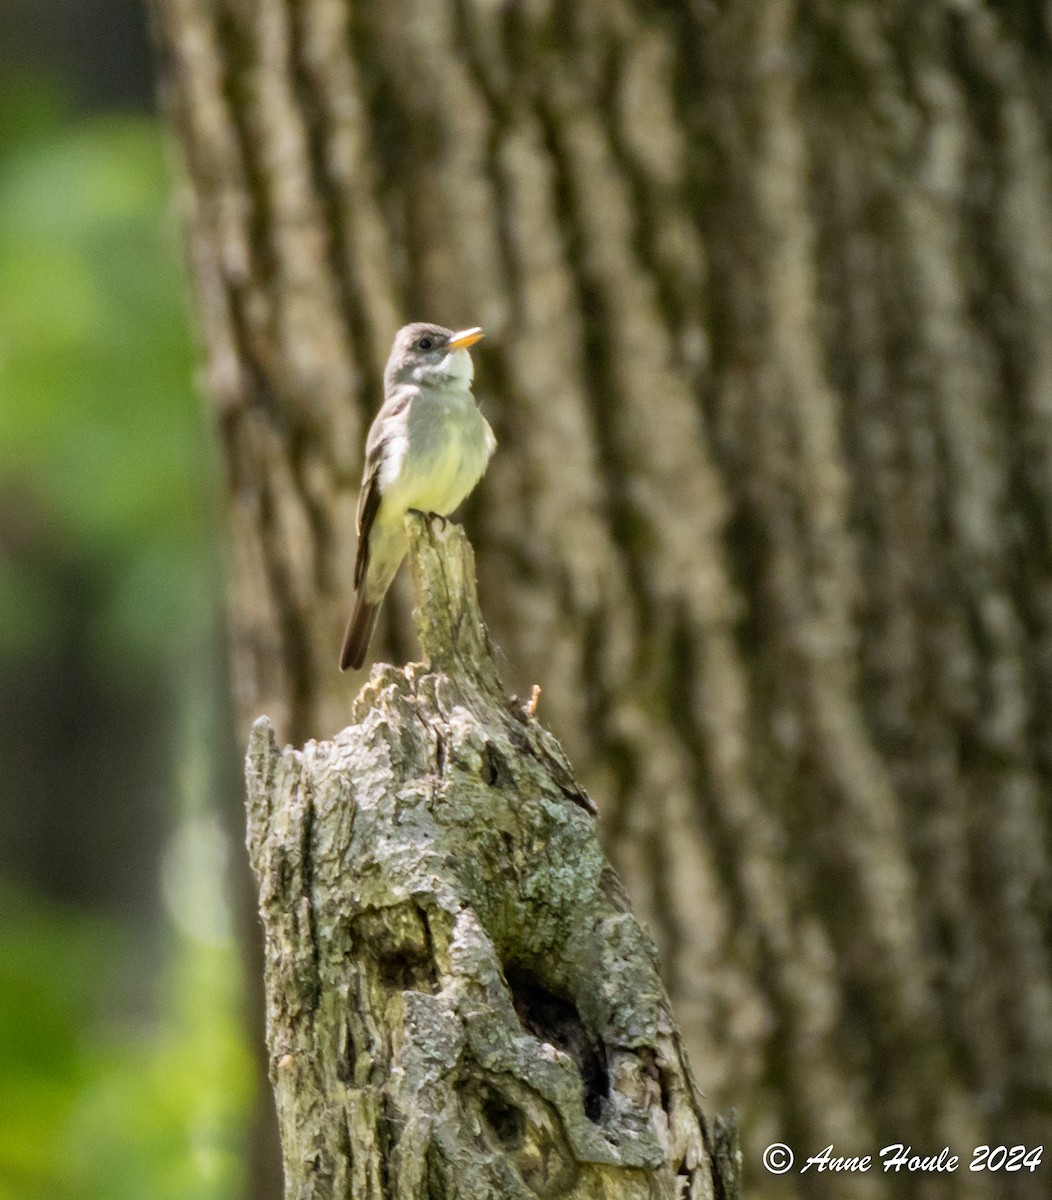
x=426, y=450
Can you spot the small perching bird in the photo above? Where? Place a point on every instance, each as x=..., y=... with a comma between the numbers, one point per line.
x=427, y=448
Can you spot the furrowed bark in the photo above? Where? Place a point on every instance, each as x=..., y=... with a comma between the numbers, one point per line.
x=459, y=1001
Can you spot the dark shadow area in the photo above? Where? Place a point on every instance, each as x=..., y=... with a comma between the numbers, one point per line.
x=99, y=48
x=552, y=1019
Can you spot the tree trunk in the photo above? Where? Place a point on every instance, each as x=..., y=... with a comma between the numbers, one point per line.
x=768, y=290
x=458, y=999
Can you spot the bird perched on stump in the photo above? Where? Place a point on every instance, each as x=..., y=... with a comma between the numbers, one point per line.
x=427, y=448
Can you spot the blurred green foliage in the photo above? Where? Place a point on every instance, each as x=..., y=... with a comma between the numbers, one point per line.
x=124, y=1070
x=95, y=1106
x=96, y=413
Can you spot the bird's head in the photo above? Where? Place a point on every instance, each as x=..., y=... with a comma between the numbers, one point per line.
x=428, y=354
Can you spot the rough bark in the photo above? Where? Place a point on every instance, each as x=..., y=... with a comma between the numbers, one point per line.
x=459, y=1001
x=769, y=295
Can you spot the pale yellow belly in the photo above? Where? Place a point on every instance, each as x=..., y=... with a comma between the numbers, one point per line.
x=432, y=468
x=438, y=475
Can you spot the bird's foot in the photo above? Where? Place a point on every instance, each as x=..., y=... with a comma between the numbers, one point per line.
x=429, y=517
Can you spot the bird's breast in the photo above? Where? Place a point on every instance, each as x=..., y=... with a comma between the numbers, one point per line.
x=447, y=446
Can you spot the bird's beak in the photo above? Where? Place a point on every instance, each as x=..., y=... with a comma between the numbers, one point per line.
x=465, y=338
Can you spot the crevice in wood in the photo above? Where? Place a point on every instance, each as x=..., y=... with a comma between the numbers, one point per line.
x=555, y=1020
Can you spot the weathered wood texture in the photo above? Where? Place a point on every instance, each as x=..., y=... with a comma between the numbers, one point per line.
x=459, y=1002
x=768, y=288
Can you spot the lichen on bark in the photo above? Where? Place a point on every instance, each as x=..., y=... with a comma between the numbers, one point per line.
x=459, y=1000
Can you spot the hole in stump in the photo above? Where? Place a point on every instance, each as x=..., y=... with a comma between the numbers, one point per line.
x=553, y=1019
x=492, y=764
x=506, y=1120
x=398, y=940
x=347, y=1057
x=407, y=972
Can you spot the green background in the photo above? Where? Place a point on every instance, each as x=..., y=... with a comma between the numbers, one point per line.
x=125, y=1065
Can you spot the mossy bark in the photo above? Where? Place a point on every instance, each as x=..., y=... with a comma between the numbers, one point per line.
x=459, y=1001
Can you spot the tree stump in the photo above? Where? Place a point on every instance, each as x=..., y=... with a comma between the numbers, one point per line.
x=459, y=1001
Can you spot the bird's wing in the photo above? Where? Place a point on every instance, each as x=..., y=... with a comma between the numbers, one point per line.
x=368, y=504
x=388, y=425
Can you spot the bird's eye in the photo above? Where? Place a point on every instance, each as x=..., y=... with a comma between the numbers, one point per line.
x=425, y=343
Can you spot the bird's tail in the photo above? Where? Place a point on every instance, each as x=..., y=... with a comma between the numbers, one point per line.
x=359, y=631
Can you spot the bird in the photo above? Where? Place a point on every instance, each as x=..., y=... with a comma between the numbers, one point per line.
x=427, y=448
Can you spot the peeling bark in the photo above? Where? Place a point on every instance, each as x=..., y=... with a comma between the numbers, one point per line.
x=459, y=1001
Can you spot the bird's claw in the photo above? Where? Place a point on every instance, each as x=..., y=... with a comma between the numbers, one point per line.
x=429, y=517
